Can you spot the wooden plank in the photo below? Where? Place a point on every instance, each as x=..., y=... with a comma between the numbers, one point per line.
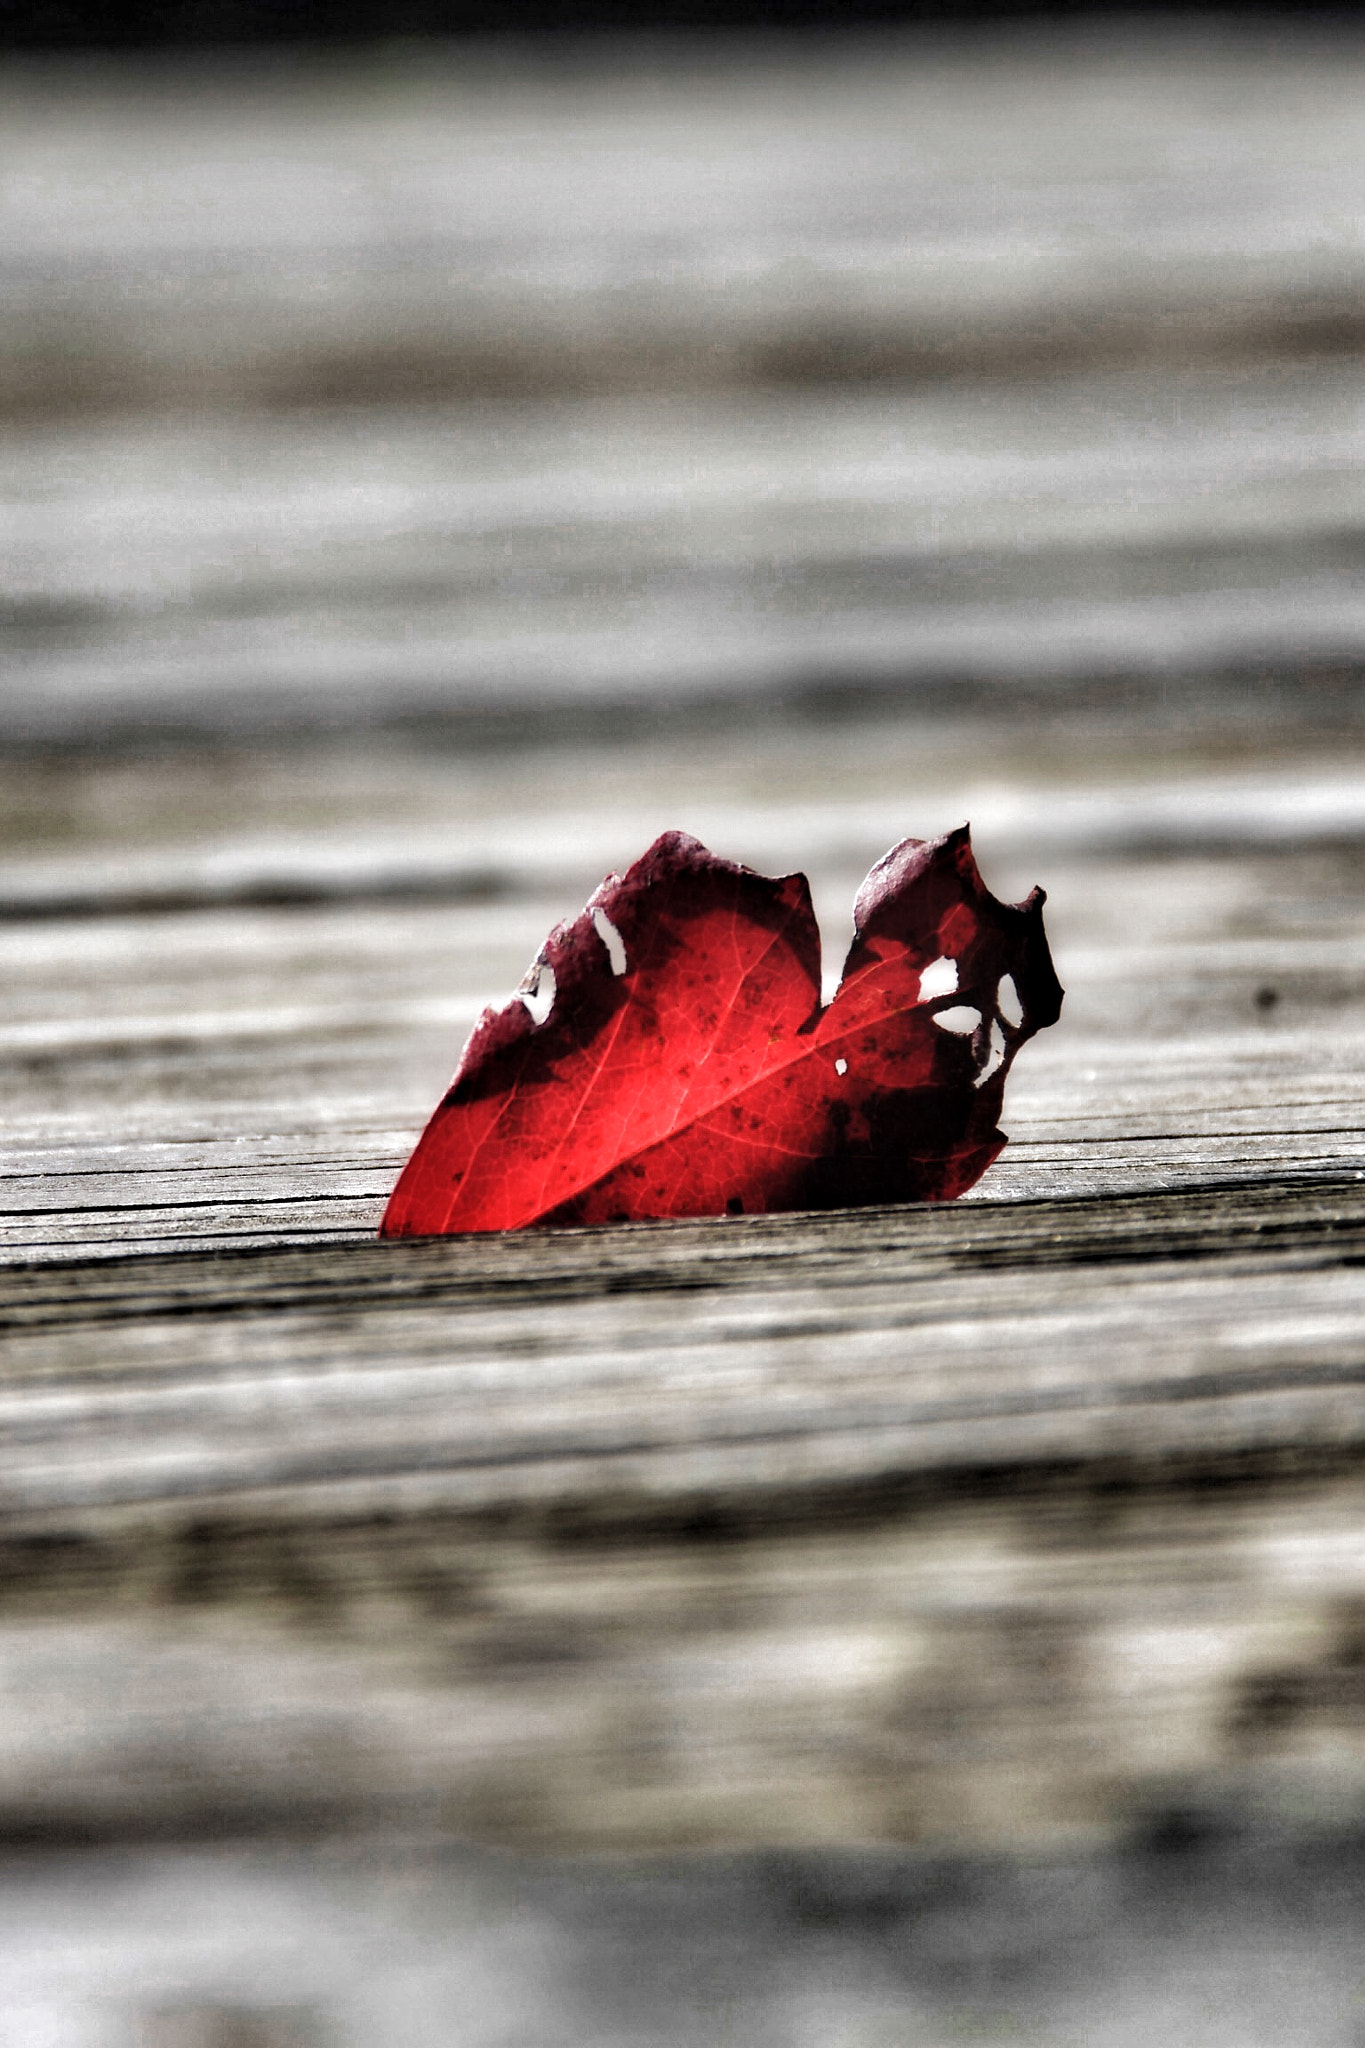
x=479, y=225
x=212, y=1066
x=1228, y=1939
x=903, y=547
x=828, y=451
x=477, y=1360
x=994, y=1523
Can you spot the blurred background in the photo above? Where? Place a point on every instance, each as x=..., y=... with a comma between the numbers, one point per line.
x=441, y=447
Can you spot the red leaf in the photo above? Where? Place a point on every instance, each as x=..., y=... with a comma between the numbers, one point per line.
x=668, y=1053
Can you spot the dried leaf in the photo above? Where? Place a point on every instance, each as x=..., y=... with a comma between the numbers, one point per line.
x=668, y=1053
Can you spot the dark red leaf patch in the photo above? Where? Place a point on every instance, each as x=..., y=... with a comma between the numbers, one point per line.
x=668, y=1053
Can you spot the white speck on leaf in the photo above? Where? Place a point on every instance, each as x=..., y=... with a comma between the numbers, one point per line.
x=539, y=994
x=611, y=939
x=1008, y=1003
x=841, y=1066
x=962, y=1020
x=939, y=978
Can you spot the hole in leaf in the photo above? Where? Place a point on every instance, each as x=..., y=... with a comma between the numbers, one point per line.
x=539, y=994
x=939, y=978
x=611, y=939
x=996, y=1056
x=962, y=1020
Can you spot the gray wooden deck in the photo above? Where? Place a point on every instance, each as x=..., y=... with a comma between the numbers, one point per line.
x=1000, y=1524
x=1022, y=1539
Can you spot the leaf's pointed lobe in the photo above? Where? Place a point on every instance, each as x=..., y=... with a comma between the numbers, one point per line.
x=676, y=984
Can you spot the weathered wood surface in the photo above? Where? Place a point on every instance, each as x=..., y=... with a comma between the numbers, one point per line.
x=1238, y=1943
x=998, y=1524
x=804, y=373
x=535, y=1367
x=474, y=223
x=235, y=1037
x=621, y=565
x=1018, y=1525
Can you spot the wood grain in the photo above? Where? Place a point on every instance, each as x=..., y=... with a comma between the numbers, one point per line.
x=1024, y=1521
x=200, y=1071
x=867, y=446
x=526, y=1364
x=471, y=223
